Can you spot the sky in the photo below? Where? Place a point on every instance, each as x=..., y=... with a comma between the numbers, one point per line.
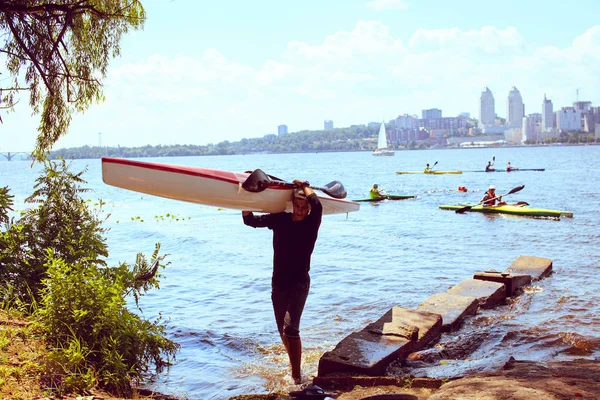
x=203, y=72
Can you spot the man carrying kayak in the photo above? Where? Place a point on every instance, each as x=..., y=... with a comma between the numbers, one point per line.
x=294, y=238
x=375, y=193
x=490, y=198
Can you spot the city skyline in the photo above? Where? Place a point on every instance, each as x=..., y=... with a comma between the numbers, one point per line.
x=198, y=74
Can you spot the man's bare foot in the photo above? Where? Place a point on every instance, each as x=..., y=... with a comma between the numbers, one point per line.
x=297, y=379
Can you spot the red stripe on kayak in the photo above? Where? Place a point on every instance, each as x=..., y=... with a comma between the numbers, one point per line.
x=208, y=173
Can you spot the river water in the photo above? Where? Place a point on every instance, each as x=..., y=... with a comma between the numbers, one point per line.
x=216, y=291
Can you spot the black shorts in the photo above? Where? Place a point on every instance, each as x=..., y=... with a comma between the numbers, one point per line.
x=288, y=304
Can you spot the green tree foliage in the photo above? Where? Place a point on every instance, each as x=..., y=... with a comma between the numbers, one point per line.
x=51, y=262
x=7, y=258
x=97, y=340
x=342, y=139
x=62, y=221
x=58, y=51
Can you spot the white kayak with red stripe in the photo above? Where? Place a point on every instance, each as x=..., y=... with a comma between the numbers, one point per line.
x=206, y=186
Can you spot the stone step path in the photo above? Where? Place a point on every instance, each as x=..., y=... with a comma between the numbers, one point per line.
x=401, y=331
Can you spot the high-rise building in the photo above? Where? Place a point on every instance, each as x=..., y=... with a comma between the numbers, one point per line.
x=431, y=113
x=282, y=130
x=531, y=123
x=515, y=110
x=568, y=119
x=582, y=106
x=547, y=114
x=487, y=109
x=590, y=119
x=328, y=125
x=406, y=121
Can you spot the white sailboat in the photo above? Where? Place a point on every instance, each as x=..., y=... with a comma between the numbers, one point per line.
x=382, y=144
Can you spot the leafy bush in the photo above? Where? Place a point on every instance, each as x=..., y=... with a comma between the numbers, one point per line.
x=62, y=221
x=97, y=339
x=51, y=260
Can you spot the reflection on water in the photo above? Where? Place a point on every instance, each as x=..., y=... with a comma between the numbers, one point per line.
x=216, y=291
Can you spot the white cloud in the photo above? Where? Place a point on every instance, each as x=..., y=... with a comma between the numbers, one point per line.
x=369, y=38
x=354, y=77
x=589, y=40
x=488, y=39
x=380, y=5
x=350, y=76
x=273, y=71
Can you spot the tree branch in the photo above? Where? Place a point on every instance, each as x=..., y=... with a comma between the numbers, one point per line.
x=26, y=50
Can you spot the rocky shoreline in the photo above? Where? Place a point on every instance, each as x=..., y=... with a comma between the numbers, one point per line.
x=516, y=380
x=384, y=357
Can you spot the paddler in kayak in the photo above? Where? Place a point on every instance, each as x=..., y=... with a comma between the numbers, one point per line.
x=294, y=237
x=490, y=167
x=490, y=198
x=428, y=169
x=509, y=168
x=375, y=192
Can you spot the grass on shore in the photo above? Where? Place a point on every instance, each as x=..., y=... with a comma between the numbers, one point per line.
x=22, y=351
x=22, y=354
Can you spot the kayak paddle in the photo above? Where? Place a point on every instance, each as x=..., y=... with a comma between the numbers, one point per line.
x=467, y=208
x=258, y=181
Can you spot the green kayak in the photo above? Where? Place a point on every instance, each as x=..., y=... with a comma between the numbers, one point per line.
x=514, y=209
x=428, y=173
x=388, y=197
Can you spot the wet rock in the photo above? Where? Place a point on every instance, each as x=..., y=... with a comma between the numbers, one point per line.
x=537, y=267
x=489, y=294
x=369, y=351
x=452, y=308
x=513, y=282
x=457, y=347
x=528, y=380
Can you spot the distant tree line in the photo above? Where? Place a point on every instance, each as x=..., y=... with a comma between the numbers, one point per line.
x=572, y=137
x=341, y=139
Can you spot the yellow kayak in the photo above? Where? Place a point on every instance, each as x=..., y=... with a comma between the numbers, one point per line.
x=514, y=209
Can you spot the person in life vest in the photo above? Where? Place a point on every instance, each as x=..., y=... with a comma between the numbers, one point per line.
x=489, y=167
x=490, y=198
x=427, y=169
x=375, y=192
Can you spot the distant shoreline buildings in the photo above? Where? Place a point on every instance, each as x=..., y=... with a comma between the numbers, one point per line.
x=517, y=128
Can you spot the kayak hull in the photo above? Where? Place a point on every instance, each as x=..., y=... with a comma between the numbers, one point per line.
x=512, y=170
x=206, y=186
x=387, y=197
x=512, y=209
x=428, y=173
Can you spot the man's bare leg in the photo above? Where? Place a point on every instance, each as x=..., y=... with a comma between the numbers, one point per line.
x=293, y=346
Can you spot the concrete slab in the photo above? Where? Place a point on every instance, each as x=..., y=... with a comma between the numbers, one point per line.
x=365, y=353
x=451, y=307
x=396, y=334
x=425, y=327
x=537, y=267
x=512, y=282
x=489, y=294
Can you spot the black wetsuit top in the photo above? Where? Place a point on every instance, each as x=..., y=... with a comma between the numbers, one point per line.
x=293, y=242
